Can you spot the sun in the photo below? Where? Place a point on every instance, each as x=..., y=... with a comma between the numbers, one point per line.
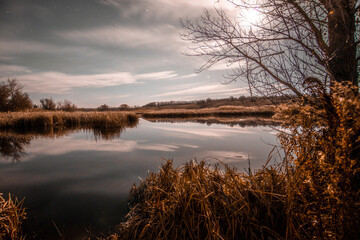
x=249, y=16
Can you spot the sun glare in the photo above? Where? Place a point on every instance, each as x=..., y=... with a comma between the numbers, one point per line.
x=250, y=16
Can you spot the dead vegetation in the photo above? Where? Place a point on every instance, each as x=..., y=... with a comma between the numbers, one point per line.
x=313, y=194
x=223, y=111
x=12, y=214
x=30, y=121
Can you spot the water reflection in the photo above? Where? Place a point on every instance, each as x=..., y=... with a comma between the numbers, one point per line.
x=13, y=142
x=229, y=121
x=12, y=146
x=80, y=179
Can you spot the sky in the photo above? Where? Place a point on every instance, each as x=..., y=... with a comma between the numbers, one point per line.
x=113, y=52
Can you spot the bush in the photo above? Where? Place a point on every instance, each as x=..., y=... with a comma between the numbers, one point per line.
x=67, y=106
x=48, y=104
x=12, y=98
x=324, y=145
x=103, y=107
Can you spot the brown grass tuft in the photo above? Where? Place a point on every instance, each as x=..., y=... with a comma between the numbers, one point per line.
x=12, y=214
x=199, y=202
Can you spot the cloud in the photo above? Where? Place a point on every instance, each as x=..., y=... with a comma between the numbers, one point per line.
x=19, y=47
x=10, y=70
x=157, y=75
x=211, y=89
x=58, y=82
x=221, y=66
x=164, y=9
x=114, y=97
x=162, y=36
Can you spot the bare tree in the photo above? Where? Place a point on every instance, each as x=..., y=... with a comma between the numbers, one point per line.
x=292, y=40
x=48, y=104
x=12, y=97
x=104, y=108
x=67, y=106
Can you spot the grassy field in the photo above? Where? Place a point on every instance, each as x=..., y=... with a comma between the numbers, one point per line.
x=30, y=121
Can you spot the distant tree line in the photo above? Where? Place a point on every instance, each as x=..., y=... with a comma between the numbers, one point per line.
x=241, y=101
x=106, y=107
x=50, y=105
x=12, y=97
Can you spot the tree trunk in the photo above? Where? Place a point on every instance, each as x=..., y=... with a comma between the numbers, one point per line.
x=342, y=49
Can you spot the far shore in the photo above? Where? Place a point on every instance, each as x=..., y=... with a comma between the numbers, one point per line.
x=221, y=112
x=230, y=115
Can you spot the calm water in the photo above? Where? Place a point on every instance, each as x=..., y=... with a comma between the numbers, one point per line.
x=80, y=183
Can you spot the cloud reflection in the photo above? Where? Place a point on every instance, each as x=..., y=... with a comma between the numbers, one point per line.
x=69, y=144
x=204, y=132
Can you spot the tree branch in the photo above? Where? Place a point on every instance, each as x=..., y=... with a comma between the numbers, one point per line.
x=258, y=62
x=318, y=35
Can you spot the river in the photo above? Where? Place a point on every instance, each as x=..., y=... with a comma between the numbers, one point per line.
x=78, y=183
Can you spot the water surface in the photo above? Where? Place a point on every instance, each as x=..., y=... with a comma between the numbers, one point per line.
x=79, y=182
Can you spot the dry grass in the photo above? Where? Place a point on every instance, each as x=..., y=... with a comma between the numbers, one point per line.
x=314, y=194
x=223, y=111
x=12, y=214
x=30, y=121
x=200, y=202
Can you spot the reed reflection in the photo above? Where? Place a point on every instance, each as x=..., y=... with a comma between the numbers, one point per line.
x=14, y=142
x=232, y=122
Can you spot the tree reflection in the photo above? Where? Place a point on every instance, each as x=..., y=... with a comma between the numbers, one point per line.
x=232, y=122
x=12, y=147
x=14, y=142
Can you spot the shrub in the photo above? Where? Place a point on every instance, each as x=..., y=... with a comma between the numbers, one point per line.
x=324, y=145
x=12, y=98
x=67, y=106
x=48, y=104
x=104, y=107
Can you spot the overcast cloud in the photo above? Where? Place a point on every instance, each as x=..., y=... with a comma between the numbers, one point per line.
x=106, y=51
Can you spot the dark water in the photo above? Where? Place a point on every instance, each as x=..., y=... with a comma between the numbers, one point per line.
x=78, y=183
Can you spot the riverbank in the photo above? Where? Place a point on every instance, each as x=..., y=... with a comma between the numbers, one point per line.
x=222, y=111
x=32, y=121
x=247, y=121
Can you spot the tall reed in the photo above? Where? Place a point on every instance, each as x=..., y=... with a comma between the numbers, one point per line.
x=12, y=214
x=200, y=202
x=29, y=121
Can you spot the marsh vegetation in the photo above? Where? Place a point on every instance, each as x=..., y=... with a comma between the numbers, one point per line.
x=223, y=111
x=12, y=215
x=313, y=193
x=32, y=121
